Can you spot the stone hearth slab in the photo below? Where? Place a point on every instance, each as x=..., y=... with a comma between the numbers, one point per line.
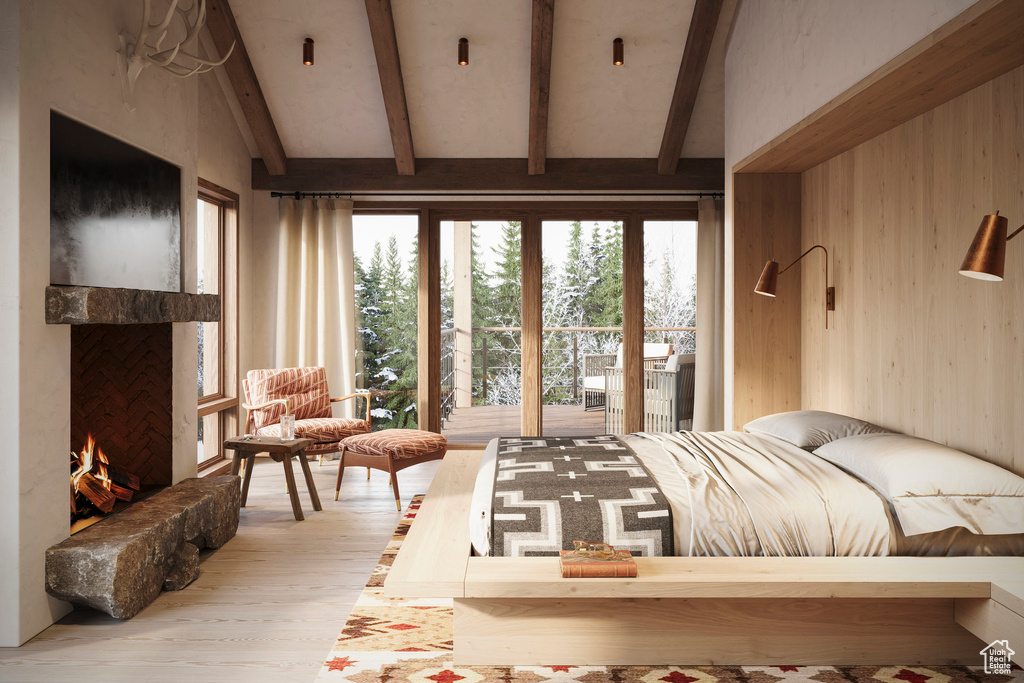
x=120, y=565
x=71, y=305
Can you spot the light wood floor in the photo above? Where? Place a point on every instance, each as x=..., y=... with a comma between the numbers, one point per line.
x=266, y=607
x=480, y=424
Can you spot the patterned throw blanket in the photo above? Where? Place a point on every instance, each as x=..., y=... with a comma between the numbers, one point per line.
x=549, y=492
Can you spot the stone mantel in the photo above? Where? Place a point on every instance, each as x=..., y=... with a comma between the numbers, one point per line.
x=70, y=305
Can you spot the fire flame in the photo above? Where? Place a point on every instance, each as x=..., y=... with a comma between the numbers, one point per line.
x=89, y=458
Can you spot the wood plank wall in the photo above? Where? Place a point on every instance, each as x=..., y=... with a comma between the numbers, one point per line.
x=913, y=345
x=766, y=225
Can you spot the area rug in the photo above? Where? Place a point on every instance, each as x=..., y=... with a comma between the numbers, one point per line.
x=397, y=640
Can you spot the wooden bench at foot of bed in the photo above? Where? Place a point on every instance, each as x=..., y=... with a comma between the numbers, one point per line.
x=703, y=610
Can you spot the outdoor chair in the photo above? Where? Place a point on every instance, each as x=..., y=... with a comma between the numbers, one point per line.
x=668, y=396
x=594, y=365
x=301, y=392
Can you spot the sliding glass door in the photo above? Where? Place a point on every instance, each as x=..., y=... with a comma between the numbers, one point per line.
x=543, y=318
x=386, y=250
x=481, y=329
x=582, y=321
x=670, y=319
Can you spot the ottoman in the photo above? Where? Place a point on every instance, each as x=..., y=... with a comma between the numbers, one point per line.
x=389, y=450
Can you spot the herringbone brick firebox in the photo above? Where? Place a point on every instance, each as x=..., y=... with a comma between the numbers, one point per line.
x=121, y=393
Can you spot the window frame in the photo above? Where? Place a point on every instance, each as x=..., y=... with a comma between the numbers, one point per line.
x=632, y=215
x=224, y=402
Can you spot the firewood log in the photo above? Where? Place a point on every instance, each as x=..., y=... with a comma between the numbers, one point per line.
x=121, y=493
x=95, y=492
x=122, y=478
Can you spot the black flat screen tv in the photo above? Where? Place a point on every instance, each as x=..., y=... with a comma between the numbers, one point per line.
x=115, y=212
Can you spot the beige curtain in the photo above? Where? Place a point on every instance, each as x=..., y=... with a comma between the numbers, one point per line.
x=708, y=409
x=316, y=291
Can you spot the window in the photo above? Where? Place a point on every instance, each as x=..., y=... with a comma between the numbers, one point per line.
x=217, y=342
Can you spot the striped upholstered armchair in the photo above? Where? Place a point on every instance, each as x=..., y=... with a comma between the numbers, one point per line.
x=301, y=392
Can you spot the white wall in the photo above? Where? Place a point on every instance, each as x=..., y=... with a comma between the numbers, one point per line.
x=224, y=160
x=9, y=463
x=263, y=293
x=65, y=50
x=786, y=59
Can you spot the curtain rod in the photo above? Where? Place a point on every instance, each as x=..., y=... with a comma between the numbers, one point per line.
x=350, y=195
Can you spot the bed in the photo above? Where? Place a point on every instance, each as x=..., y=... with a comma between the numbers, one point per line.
x=728, y=494
x=821, y=590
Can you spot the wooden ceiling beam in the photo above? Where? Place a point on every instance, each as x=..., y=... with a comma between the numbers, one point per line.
x=540, y=82
x=491, y=175
x=691, y=71
x=385, y=47
x=221, y=23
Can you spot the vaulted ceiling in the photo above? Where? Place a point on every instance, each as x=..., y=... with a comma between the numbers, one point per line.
x=336, y=109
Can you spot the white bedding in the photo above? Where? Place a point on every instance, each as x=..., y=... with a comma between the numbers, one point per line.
x=714, y=482
x=736, y=494
x=757, y=495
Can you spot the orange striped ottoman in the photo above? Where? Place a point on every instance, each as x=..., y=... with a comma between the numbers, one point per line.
x=389, y=450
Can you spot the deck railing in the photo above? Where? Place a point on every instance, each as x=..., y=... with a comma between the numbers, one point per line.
x=562, y=383
x=447, y=372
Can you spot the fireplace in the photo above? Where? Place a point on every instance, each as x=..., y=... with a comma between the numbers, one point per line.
x=117, y=278
x=122, y=369
x=121, y=399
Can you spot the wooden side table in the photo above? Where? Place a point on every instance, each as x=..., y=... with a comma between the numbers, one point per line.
x=279, y=451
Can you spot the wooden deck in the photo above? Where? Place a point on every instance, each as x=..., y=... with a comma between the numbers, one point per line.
x=480, y=424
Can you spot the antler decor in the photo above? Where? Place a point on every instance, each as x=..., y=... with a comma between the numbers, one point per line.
x=135, y=56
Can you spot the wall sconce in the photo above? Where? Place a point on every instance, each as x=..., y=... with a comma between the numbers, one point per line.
x=307, y=52
x=617, y=59
x=770, y=275
x=463, y=52
x=987, y=255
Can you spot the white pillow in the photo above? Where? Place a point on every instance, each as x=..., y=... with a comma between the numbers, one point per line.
x=809, y=429
x=932, y=487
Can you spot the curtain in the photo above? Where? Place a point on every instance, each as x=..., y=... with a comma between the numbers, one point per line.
x=316, y=292
x=708, y=409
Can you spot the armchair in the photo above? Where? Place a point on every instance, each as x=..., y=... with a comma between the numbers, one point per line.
x=594, y=365
x=668, y=396
x=302, y=392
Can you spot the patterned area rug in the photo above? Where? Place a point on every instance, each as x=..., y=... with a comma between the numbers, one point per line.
x=387, y=640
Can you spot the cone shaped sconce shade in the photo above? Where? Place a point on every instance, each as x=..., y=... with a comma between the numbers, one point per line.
x=307, y=52
x=617, y=51
x=463, y=52
x=769, y=278
x=986, y=258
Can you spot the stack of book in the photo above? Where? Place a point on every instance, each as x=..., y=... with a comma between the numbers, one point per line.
x=593, y=560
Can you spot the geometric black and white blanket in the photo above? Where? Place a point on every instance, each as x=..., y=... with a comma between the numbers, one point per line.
x=550, y=491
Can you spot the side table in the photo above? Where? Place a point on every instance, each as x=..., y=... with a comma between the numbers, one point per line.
x=279, y=451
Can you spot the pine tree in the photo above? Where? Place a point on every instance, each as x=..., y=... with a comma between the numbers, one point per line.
x=482, y=298
x=506, y=300
x=402, y=401
x=504, y=348
x=609, y=276
x=667, y=304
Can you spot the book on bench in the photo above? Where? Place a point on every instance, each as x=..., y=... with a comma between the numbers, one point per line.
x=596, y=560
